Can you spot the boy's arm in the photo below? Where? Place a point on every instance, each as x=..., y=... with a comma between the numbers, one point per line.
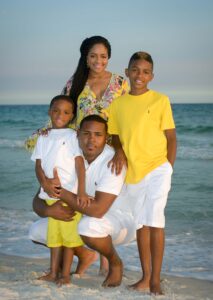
x=171, y=145
x=119, y=159
x=82, y=198
x=80, y=171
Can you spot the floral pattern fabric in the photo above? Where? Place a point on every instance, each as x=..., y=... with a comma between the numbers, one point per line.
x=88, y=104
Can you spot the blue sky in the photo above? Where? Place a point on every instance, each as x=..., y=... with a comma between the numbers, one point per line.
x=40, y=40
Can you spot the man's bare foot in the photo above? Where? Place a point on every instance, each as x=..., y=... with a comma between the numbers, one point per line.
x=142, y=285
x=84, y=262
x=62, y=281
x=48, y=277
x=114, y=276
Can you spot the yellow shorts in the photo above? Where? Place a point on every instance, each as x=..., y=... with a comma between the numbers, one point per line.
x=62, y=233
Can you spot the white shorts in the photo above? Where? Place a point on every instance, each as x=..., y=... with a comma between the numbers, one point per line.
x=149, y=197
x=120, y=226
x=38, y=231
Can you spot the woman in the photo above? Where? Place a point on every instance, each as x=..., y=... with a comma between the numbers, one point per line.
x=92, y=87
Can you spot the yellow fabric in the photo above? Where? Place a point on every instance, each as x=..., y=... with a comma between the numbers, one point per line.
x=62, y=233
x=140, y=122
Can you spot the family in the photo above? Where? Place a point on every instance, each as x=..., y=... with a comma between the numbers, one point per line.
x=104, y=163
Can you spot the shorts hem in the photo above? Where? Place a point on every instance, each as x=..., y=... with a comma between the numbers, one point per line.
x=157, y=225
x=74, y=245
x=92, y=235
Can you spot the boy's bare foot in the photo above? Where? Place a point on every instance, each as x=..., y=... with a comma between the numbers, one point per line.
x=63, y=280
x=48, y=277
x=156, y=289
x=85, y=261
x=141, y=285
x=114, y=276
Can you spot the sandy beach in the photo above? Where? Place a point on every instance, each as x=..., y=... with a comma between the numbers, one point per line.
x=18, y=280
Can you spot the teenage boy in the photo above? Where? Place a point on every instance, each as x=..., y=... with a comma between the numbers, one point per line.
x=141, y=123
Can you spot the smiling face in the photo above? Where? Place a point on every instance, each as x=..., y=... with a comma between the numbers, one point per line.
x=61, y=113
x=97, y=58
x=92, y=139
x=140, y=73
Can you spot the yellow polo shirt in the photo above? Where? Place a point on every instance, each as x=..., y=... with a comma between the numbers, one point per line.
x=140, y=122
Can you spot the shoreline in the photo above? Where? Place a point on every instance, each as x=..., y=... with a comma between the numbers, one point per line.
x=18, y=280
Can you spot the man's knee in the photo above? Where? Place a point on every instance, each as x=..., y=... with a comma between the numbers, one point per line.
x=38, y=232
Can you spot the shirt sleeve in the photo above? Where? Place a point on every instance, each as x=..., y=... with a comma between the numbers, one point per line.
x=167, y=117
x=112, y=119
x=111, y=183
x=37, y=152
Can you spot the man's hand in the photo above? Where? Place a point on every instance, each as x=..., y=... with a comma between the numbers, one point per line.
x=118, y=162
x=60, y=212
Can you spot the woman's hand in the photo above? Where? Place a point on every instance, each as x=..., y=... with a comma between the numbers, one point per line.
x=118, y=161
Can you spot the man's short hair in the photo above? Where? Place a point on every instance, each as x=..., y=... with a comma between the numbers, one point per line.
x=95, y=118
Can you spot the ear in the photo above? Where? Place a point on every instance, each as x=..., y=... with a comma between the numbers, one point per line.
x=127, y=72
x=152, y=76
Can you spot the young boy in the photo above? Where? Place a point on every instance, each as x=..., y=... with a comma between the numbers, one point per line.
x=59, y=151
x=142, y=123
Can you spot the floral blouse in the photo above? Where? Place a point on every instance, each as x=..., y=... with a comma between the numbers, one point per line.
x=88, y=104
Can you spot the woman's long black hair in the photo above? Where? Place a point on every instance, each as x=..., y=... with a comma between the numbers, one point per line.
x=80, y=76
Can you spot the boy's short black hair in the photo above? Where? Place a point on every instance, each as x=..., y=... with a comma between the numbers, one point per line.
x=62, y=97
x=143, y=56
x=95, y=118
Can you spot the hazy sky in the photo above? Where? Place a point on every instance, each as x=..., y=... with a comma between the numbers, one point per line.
x=40, y=40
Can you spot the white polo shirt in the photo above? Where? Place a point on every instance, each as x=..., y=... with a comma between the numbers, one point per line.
x=58, y=150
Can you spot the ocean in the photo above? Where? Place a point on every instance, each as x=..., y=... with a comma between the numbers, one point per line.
x=189, y=212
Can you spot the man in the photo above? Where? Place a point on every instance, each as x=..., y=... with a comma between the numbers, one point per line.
x=107, y=222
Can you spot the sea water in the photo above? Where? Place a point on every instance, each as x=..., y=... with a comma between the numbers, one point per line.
x=189, y=212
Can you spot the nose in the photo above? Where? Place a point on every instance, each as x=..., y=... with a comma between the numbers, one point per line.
x=91, y=137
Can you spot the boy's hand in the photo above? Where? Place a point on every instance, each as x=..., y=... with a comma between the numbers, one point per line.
x=52, y=186
x=118, y=162
x=84, y=200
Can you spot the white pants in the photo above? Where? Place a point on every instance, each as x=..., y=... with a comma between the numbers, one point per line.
x=119, y=225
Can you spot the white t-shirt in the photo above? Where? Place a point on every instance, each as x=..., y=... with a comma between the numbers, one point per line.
x=58, y=150
x=99, y=178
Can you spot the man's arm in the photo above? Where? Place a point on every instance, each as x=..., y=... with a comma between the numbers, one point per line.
x=98, y=207
x=171, y=145
x=56, y=211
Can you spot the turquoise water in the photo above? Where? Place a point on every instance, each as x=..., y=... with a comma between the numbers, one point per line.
x=189, y=213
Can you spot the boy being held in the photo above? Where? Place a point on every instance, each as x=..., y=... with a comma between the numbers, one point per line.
x=59, y=151
x=142, y=123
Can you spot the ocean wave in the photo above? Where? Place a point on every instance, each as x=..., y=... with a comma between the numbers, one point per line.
x=194, y=129
x=188, y=152
x=11, y=143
